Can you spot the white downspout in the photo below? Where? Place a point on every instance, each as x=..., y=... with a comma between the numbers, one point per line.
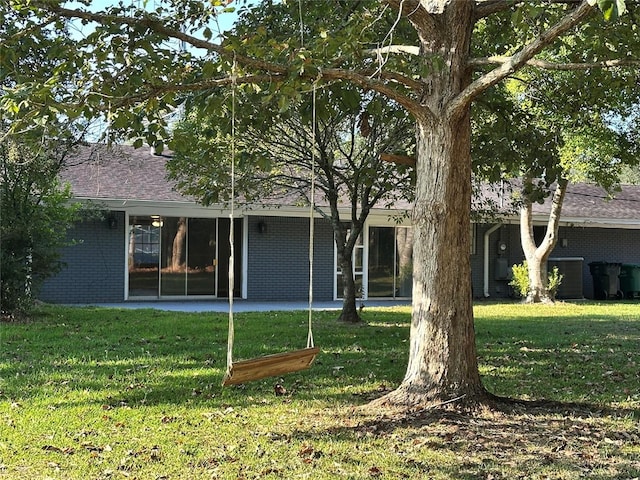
x=487, y=234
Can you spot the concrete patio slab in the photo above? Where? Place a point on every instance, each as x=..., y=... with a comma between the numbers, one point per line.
x=243, y=305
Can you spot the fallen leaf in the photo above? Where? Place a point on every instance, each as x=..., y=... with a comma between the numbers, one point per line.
x=306, y=450
x=53, y=448
x=375, y=471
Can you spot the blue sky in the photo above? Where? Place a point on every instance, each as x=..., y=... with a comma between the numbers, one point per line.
x=225, y=20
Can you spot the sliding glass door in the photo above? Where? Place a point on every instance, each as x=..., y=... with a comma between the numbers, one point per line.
x=178, y=256
x=144, y=256
x=390, y=265
x=383, y=264
x=201, y=255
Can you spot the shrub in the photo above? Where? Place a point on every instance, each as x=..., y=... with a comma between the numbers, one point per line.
x=35, y=218
x=520, y=280
x=555, y=279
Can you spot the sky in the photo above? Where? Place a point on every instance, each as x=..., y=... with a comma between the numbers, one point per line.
x=225, y=20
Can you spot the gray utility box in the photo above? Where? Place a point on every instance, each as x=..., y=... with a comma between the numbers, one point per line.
x=571, y=270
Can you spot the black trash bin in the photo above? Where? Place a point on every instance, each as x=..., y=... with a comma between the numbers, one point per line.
x=606, y=283
x=630, y=280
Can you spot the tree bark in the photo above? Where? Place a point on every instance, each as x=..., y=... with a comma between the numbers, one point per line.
x=537, y=255
x=349, y=312
x=177, y=250
x=442, y=354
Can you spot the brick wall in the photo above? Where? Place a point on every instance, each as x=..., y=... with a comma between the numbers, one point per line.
x=278, y=266
x=592, y=244
x=94, y=270
x=278, y=262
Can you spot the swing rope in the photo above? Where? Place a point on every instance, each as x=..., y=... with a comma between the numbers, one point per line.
x=230, y=335
x=270, y=365
x=312, y=198
x=312, y=203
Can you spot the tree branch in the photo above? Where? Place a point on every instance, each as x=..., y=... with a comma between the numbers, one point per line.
x=547, y=65
x=269, y=68
x=372, y=84
x=517, y=61
x=28, y=31
x=160, y=89
x=392, y=77
x=410, y=49
x=158, y=27
x=415, y=12
x=484, y=8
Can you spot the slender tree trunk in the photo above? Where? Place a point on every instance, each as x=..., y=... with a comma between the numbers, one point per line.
x=132, y=248
x=349, y=312
x=442, y=353
x=535, y=255
x=404, y=242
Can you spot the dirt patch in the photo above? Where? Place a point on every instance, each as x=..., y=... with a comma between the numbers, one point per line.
x=517, y=440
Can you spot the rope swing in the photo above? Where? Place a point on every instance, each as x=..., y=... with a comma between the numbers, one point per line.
x=280, y=363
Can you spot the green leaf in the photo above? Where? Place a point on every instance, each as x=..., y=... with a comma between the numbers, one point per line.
x=283, y=103
x=351, y=99
x=517, y=17
x=612, y=9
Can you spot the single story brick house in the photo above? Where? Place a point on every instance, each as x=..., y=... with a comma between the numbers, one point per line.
x=154, y=243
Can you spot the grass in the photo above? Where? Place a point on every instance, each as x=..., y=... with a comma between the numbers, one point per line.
x=90, y=393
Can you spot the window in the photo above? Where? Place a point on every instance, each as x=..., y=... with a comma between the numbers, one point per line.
x=390, y=267
x=382, y=263
x=178, y=256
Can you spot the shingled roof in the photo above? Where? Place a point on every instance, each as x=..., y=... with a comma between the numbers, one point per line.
x=120, y=172
x=591, y=201
x=125, y=173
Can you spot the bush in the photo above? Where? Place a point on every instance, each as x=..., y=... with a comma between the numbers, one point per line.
x=555, y=279
x=520, y=280
x=36, y=215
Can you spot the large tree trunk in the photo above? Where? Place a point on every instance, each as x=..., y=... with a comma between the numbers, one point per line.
x=442, y=354
x=535, y=255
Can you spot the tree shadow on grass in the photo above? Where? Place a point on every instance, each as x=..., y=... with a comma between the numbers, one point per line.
x=514, y=439
x=121, y=350
x=147, y=358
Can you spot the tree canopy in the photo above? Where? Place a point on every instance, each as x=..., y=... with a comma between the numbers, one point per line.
x=333, y=138
x=431, y=57
x=34, y=218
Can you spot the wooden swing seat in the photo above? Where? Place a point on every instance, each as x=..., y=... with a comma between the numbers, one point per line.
x=270, y=366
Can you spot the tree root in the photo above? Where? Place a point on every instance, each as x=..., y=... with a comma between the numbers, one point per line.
x=403, y=399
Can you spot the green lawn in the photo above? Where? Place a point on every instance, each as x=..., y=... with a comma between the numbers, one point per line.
x=90, y=393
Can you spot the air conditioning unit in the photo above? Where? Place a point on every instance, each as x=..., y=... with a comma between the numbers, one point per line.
x=571, y=270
